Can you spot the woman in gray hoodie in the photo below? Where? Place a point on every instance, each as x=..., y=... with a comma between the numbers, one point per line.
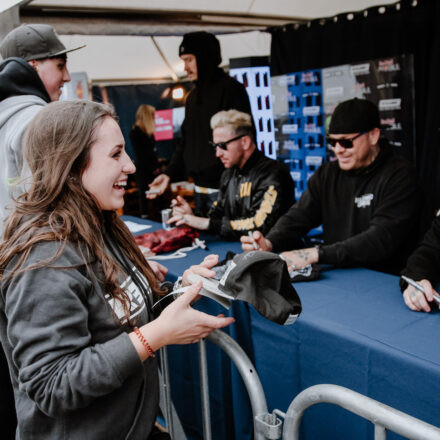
x=76, y=295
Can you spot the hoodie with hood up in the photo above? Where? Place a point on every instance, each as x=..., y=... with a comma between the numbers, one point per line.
x=214, y=91
x=22, y=96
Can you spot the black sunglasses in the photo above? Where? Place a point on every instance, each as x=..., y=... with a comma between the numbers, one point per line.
x=344, y=143
x=224, y=145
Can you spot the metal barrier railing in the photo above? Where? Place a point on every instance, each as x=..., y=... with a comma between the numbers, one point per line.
x=266, y=426
x=269, y=426
x=383, y=416
x=165, y=384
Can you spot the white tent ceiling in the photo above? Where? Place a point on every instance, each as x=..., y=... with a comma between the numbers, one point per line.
x=118, y=33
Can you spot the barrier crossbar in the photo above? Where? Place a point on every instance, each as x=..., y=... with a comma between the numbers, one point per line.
x=270, y=427
x=383, y=416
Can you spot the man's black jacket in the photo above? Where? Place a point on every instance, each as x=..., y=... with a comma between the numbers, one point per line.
x=251, y=198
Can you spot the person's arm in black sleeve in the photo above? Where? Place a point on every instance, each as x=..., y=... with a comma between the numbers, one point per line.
x=423, y=267
x=175, y=168
x=393, y=220
x=145, y=156
x=151, y=156
x=288, y=231
x=216, y=212
x=174, y=172
x=424, y=263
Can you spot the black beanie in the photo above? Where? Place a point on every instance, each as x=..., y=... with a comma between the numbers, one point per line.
x=205, y=47
x=354, y=116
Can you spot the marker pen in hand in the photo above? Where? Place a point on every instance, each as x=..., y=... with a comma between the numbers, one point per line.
x=418, y=287
x=253, y=241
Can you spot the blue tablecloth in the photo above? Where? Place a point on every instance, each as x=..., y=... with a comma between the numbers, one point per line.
x=354, y=331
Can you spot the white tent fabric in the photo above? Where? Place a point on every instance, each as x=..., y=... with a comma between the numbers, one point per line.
x=113, y=58
x=305, y=9
x=132, y=59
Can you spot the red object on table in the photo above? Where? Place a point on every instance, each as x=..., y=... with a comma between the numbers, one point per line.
x=162, y=240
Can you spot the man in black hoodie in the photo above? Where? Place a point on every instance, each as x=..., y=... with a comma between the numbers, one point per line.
x=368, y=201
x=214, y=91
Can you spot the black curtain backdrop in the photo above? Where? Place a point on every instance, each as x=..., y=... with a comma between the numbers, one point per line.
x=410, y=27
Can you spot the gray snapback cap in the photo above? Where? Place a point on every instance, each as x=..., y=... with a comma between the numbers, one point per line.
x=33, y=42
x=260, y=279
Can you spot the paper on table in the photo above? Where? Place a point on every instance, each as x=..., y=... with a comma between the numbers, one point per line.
x=135, y=227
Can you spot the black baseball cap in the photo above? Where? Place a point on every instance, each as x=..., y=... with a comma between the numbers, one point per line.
x=262, y=280
x=354, y=116
x=33, y=42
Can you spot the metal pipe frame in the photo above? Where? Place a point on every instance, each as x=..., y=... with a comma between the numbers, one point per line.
x=167, y=392
x=248, y=374
x=204, y=390
x=383, y=416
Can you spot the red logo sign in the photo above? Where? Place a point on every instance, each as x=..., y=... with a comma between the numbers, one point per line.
x=164, y=125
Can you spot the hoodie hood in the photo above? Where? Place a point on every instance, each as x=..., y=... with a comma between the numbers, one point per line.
x=206, y=48
x=17, y=77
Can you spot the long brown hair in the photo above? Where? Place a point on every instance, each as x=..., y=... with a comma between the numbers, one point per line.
x=145, y=119
x=57, y=207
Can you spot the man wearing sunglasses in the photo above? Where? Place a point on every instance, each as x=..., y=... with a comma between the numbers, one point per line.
x=368, y=200
x=254, y=190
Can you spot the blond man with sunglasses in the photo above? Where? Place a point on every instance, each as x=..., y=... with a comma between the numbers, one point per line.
x=254, y=190
x=367, y=200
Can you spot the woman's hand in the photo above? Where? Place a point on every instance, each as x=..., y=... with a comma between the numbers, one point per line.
x=159, y=270
x=203, y=269
x=179, y=323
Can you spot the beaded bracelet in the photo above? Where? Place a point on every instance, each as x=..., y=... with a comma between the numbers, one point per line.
x=144, y=342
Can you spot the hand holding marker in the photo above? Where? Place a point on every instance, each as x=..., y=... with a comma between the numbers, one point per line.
x=419, y=287
x=253, y=241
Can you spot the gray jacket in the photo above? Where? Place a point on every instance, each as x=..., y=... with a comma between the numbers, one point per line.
x=15, y=114
x=22, y=96
x=75, y=372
